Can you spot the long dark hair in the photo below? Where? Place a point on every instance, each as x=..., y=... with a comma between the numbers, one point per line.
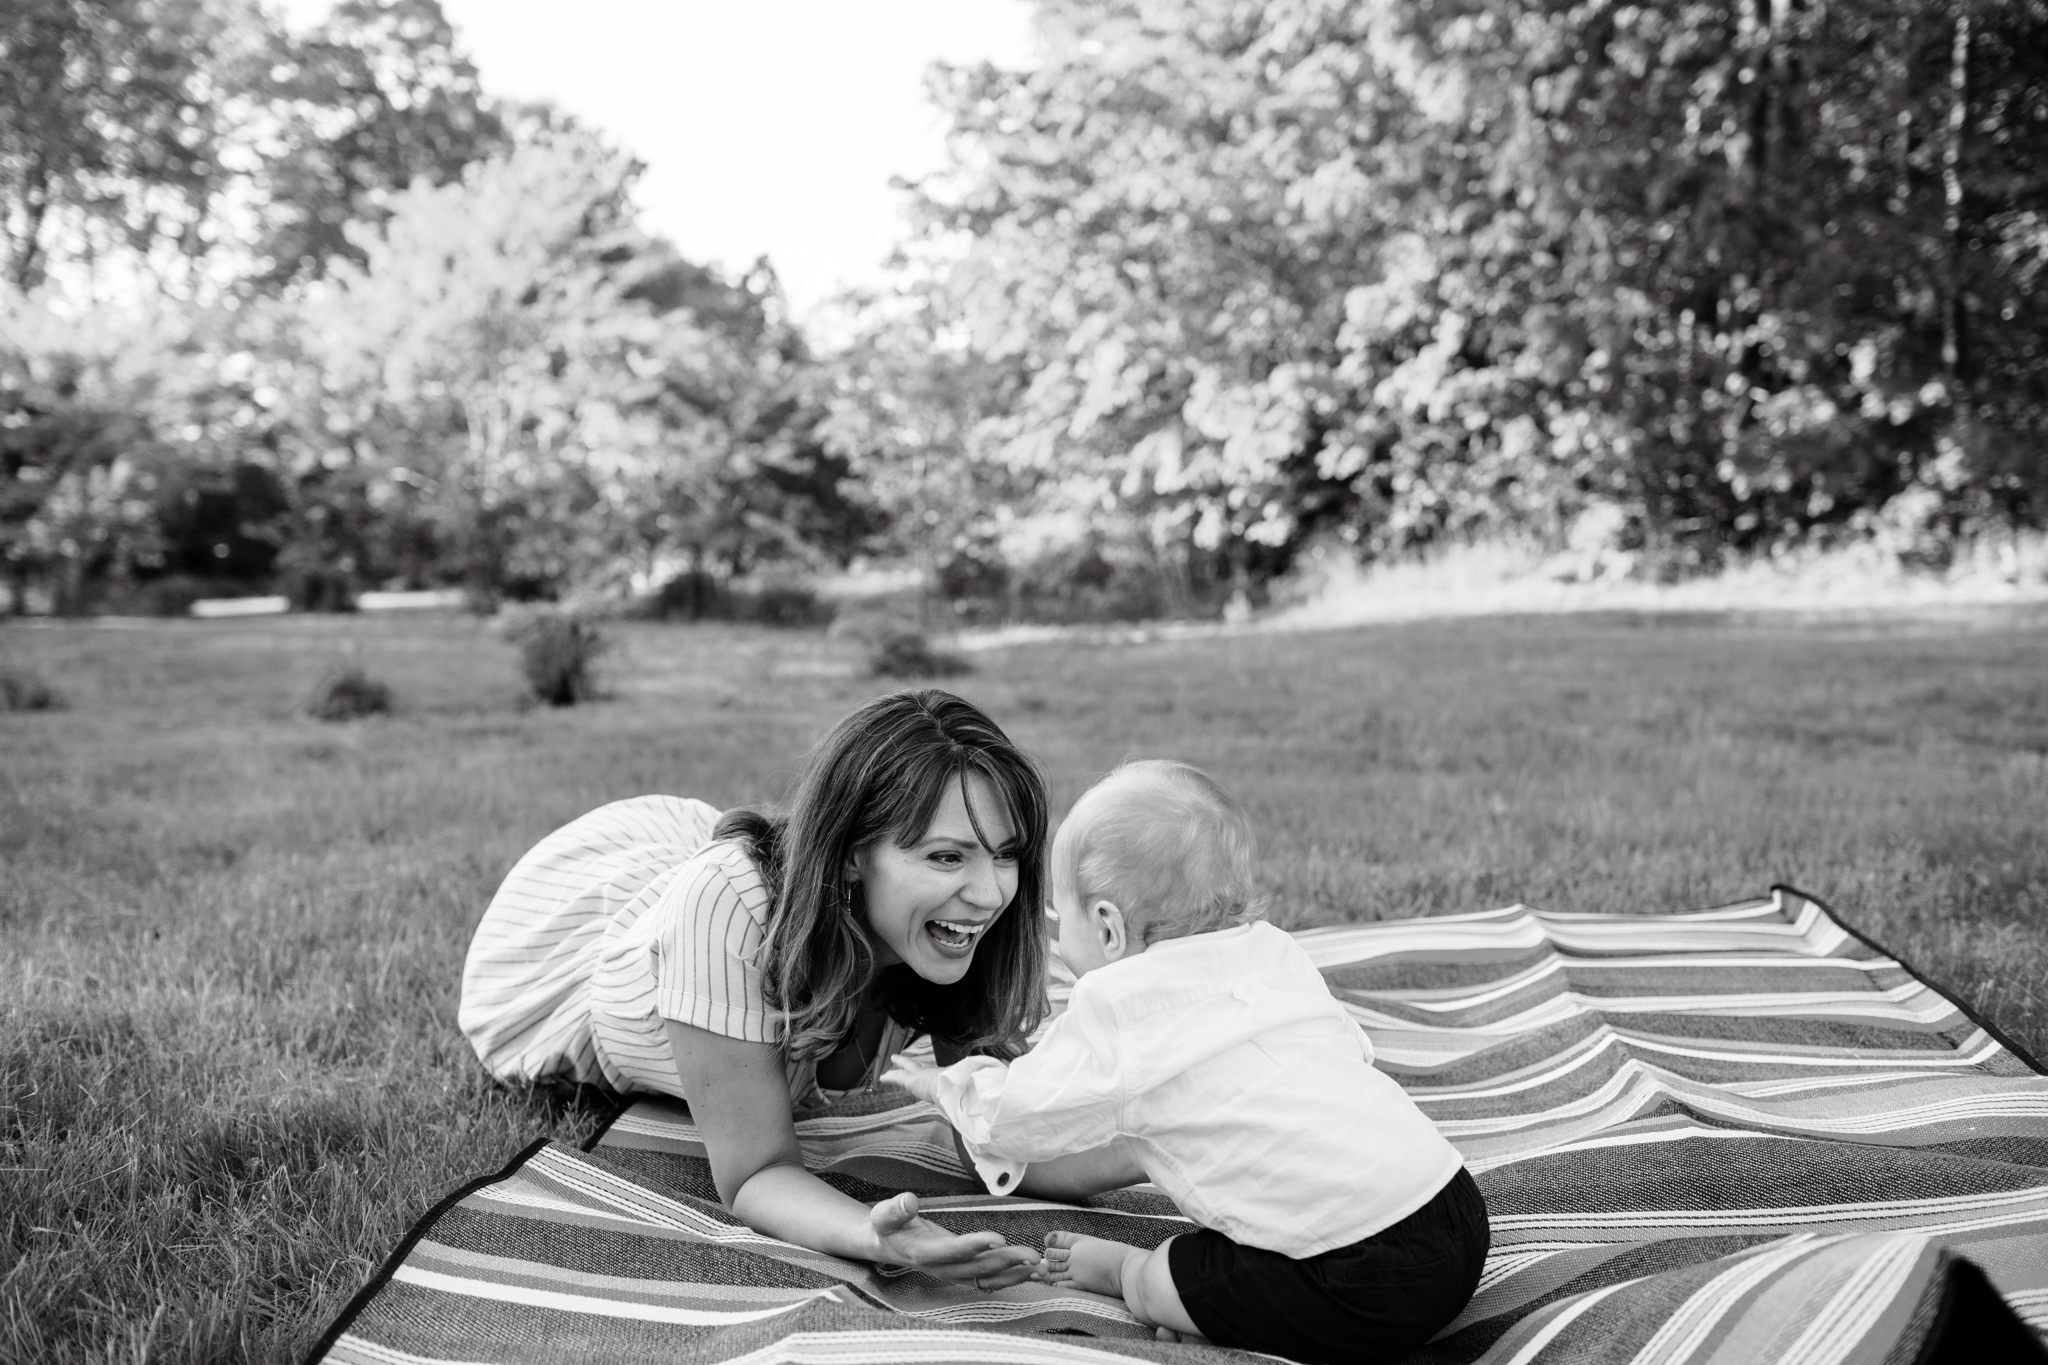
x=882, y=771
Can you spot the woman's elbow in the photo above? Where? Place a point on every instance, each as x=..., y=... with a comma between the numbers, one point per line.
x=732, y=1183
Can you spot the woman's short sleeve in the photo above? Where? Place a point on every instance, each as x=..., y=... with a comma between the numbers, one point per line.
x=710, y=927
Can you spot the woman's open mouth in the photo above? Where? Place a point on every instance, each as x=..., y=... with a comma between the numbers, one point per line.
x=955, y=938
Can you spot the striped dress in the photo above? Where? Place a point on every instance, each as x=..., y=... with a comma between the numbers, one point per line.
x=611, y=925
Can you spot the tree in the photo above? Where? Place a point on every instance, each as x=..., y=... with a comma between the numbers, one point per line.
x=350, y=115
x=109, y=132
x=76, y=445
x=1400, y=271
x=194, y=143
x=902, y=409
x=1773, y=202
x=554, y=396
x=1166, y=219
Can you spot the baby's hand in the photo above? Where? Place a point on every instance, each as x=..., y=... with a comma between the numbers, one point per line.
x=913, y=1075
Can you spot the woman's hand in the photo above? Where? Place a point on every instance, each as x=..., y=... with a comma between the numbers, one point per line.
x=914, y=1076
x=740, y=1099
x=980, y=1258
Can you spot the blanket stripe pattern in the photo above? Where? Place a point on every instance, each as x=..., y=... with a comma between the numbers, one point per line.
x=1734, y=1136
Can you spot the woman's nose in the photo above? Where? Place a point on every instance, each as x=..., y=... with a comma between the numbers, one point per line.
x=984, y=888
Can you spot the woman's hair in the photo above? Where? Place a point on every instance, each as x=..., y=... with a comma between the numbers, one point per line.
x=883, y=771
x=1166, y=845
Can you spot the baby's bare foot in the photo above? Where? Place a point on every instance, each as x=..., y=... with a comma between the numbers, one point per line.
x=1089, y=1263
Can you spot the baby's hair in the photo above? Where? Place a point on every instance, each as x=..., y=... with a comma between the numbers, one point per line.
x=1164, y=843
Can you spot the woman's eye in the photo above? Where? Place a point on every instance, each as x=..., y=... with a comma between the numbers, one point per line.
x=946, y=859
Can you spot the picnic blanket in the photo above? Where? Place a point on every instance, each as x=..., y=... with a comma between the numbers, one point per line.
x=1739, y=1135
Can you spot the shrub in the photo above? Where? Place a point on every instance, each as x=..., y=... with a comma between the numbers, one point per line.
x=692, y=596
x=974, y=572
x=1096, y=579
x=349, y=694
x=26, y=692
x=319, y=590
x=557, y=654
x=698, y=596
x=905, y=652
x=781, y=604
x=167, y=595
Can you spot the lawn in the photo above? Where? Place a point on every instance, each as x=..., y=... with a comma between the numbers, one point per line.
x=231, y=936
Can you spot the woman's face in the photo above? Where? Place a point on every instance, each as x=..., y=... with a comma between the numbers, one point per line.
x=929, y=905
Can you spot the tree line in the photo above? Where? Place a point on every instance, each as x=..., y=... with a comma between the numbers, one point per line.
x=313, y=311
x=1733, y=276
x=1212, y=282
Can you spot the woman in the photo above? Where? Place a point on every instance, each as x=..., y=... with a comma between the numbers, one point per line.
x=757, y=965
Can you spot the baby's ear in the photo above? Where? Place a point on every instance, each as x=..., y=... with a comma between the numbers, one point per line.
x=1111, y=927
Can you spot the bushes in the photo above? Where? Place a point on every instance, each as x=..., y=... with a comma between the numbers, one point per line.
x=349, y=694
x=318, y=590
x=908, y=653
x=24, y=691
x=699, y=596
x=781, y=604
x=898, y=648
x=558, y=654
x=1094, y=580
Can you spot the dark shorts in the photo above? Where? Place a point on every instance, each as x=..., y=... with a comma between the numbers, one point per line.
x=1374, y=1300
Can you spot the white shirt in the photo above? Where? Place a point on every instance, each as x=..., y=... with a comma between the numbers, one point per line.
x=1237, y=1081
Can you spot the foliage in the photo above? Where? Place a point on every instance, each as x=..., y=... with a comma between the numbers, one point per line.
x=1094, y=577
x=194, y=143
x=911, y=654
x=514, y=390
x=903, y=400
x=550, y=396
x=106, y=134
x=1400, y=272
x=1212, y=281
x=151, y=154
x=137, y=447
x=378, y=96
x=76, y=446
x=896, y=647
x=349, y=694
x=558, y=653
x=781, y=604
x=696, y=595
x=24, y=691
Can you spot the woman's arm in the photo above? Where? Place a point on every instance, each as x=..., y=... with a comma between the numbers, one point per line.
x=739, y=1097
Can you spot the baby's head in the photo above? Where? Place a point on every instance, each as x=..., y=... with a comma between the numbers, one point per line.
x=1154, y=851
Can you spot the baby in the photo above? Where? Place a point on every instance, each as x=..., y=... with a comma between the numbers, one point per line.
x=1202, y=1050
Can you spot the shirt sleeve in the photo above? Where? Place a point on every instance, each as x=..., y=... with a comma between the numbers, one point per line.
x=1065, y=1095
x=707, y=949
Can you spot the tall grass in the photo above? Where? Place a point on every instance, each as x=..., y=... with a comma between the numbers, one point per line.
x=1510, y=576
x=231, y=937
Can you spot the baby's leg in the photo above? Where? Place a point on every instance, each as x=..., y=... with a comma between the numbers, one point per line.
x=1140, y=1278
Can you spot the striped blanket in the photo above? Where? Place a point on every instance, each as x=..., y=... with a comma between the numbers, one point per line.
x=1736, y=1136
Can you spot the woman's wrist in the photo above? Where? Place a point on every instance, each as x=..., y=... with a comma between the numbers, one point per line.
x=872, y=1248
x=786, y=1201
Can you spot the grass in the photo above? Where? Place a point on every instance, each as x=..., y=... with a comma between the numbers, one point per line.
x=231, y=936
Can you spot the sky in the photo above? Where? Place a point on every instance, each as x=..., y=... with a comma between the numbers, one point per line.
x=768, y=127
